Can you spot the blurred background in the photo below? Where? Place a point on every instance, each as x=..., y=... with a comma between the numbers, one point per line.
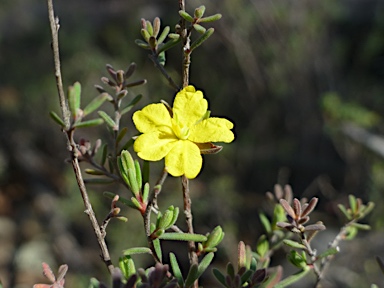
x=301, y=80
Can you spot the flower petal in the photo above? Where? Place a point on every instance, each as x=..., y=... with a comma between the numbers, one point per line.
x=212, y=130
x=189, y=106
x=151, y=118
x=184, y=158
x=154, y=146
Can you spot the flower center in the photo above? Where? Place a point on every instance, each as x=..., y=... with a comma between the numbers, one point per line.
x=181, y=131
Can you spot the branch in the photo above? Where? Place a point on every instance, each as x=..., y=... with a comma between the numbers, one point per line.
x=72, y=147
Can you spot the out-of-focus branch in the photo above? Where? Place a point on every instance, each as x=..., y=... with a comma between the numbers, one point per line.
x=72, y=147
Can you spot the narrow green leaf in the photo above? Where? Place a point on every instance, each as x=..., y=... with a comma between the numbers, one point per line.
x=125, y=201
x=142, y=44
x=191, y=277
x=199, y=12
x=98, y=181
x=131, y=104
x=149, y=28
x=163, y=35
x=165, y=219
x=202, y=39
x=146, y=192
x=245, y=276
x=293, y=244
x=219, y=276
x=186, y=16
x=74, y=97
x=121, y=135
x=137, y=250
x=175, y=216
x=215, y=237
x=132, y=180
x=345, y=211
x=361, y=226
x=136, y=203
x=176, y=269
x=145, y=35
x=265, y=222
x=128, y=144
x=168, y=45
x=104, y=154
x=57, y=119
x=93, y=283
x=183, y=237
x=204, y=263
x=292, y=279
x=199, y=28
x=328, y=252
x=352, y=203
x=139, y=179
x=95, y=103
x=210, y=18
x=157, y=246
x=110, y=122
x=262, y=246
x=93, y=172
x=367, y=209
x=88, y=123
x=127, y=266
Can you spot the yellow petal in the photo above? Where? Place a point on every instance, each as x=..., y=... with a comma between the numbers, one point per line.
x=212, y=130
x=184, y=158
x=189, y=106
x=153, y=146
x=152, y=117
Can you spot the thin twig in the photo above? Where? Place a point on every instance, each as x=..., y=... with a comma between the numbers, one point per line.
x=72, y=147
x=164, y=72
x=189, y=219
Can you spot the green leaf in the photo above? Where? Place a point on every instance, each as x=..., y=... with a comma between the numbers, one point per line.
x=137, y=250
x=186, y=16
x=245, y=276
x=202, y=39
x=139, y=179
x=88, y=123
x=93, y=283
x=169, y=44
x=57, y=119
x=297, y=259
x=93, y=172
x=265, y=222
x=361, y=226
x=219, y=276
x=145, y=35
x=157, y=246
x=292, y=279
x=110, y=122
x=145, y=192
x=142, y=44
x=163, y=35
x=204, y=264
x=104, y=154
x=294, y=244
x=131, y=104
x=95, y=103
x=199, y=12
x=98, y=181
x=176, y=269
x=122, y=200
x=328, y=252
x=345, y=211
x=183, y=237
x=127, y=266
x=166, y=218
x=262, y=245
x=74, y=97
x=210, y=18
x=121, y=135
x=352, y=203
x=191, y=277
x=199, y=28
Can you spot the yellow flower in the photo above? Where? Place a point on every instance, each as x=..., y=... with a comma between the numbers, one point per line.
x=176, y=135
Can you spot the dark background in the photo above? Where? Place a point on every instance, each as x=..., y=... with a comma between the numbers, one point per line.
x=268, y=67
